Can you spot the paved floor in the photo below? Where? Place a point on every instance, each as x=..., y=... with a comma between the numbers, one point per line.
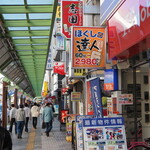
x=37, y=140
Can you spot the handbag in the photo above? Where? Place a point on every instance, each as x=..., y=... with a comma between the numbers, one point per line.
x=43, y=125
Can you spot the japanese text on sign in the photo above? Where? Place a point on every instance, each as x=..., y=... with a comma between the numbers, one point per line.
x=88, y=47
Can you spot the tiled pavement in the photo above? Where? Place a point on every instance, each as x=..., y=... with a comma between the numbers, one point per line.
x=56, y=140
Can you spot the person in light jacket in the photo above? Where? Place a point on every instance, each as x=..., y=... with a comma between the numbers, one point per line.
x=35, y=113
x=47, y=117
x=20, y=118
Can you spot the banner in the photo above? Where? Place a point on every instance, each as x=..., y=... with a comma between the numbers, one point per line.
x=88, y=47
x=59, y=67
x=79, y=129
x=72, y=16
x=104, y=134
x=89, y=106
x=96, y=97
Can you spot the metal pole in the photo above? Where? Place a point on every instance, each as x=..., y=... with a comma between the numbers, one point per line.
x=135, y=103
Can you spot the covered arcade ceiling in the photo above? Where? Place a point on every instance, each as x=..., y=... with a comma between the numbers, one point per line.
x=25, y=30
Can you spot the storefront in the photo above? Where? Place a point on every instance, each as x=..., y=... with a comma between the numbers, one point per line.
x=129, y=44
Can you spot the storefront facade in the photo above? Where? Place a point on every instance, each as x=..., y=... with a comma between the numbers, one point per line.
x=129, y=44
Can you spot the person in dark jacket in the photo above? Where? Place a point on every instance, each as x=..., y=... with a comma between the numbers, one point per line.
x=47, y=117
x=5, y=139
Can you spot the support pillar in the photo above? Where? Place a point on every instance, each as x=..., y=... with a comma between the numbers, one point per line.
x=4, y=104
x=16, y=98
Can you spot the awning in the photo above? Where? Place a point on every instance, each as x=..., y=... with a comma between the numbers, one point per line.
x=26, y=29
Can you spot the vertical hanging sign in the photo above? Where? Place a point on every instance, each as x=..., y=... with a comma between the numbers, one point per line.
x=111, y=79
x=72, y=16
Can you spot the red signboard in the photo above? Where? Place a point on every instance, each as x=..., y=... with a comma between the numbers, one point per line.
x=59, y=67
x=128, y=29
x=72, y=15
x=64, y=91
x=63, y=115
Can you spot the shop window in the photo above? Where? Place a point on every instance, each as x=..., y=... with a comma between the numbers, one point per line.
x=146, y=107
x=145, y=79
x=147, y=118
x=138, y=90
x=146, y=95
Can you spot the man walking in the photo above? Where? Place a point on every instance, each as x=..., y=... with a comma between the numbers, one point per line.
x=47, y=117
x=35, y=113
x=13, y=119
x=20, y=118
x=28, y=115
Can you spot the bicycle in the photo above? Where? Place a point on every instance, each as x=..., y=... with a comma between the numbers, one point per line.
x=145, y=144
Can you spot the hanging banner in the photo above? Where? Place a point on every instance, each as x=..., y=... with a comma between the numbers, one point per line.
x=72, y=16
x=89, y=105
x=111, y=79
x=59, y=67
x=88, y=47
x=96, y=97
x=104, y=134
x=79, y=129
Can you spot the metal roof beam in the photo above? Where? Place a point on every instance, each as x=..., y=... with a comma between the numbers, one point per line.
x=27, y=41
x=24, y=23
x=30, y=9
x=27, y=33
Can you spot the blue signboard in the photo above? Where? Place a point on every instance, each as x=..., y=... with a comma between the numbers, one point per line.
x=111, y=79
x=96, y=97
x=103, y=122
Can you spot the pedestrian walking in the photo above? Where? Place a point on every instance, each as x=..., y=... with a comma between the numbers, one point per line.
x=13, y=119
x=20, y=118
x=35, y=113
x=5, y=139
x=28, y=116
x=47, y=117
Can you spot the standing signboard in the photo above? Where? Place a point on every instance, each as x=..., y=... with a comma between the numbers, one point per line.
x=104, y=134
x=88, y=47
x=79, y=129
x=69, y=119
x=72, y=16
x=96, y=97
